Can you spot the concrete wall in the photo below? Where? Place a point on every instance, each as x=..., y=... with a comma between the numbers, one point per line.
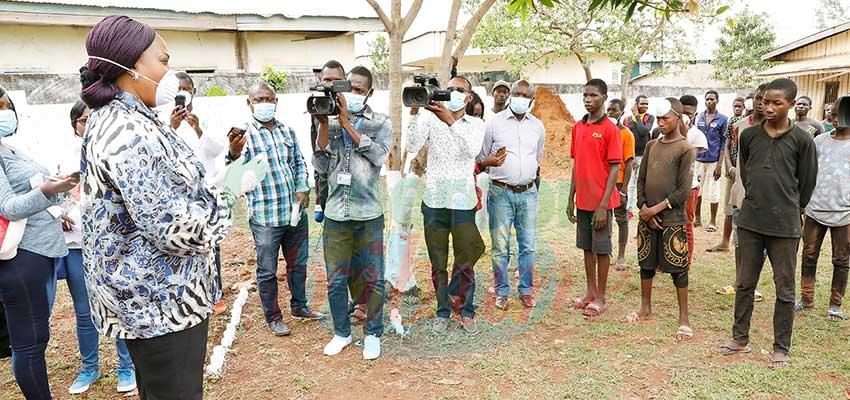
x=291, y=50
x=52, y=49
x=569, y=70
x=201, y=50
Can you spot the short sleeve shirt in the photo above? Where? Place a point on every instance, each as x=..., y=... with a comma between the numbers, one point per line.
x=628, y=141
x=595, y=146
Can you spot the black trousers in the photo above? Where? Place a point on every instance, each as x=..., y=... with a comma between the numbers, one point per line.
x=782, y=253
x=171, y=367
x=5, y=346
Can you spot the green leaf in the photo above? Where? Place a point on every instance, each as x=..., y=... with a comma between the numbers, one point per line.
x=631, y=11
x=721, y=10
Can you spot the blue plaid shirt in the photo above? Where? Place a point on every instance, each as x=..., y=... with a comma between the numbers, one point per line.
x=271, y=202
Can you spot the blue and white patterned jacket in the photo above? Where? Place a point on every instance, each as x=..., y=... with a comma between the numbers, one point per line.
x=149, y=225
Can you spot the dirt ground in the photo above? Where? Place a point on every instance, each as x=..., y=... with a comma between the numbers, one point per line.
x=550, y=352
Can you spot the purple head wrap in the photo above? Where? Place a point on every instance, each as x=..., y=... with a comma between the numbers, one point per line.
x=117, y=38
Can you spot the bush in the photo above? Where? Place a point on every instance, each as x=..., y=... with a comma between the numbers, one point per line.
x=276, y=79
x=216, y=91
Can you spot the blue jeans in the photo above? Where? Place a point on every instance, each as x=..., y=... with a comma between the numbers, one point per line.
x=24, y=281
x=87, y=335
x=293, y=242
x=362, y=241
x=508, y=209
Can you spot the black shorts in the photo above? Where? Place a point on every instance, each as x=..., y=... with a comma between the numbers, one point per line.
x=589, y=239
x=666, y=250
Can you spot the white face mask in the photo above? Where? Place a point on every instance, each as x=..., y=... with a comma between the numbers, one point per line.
x=166, y=88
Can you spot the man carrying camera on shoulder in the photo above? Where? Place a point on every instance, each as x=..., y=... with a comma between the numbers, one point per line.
x=276, y=206
x=454, y=140
x=352, y=144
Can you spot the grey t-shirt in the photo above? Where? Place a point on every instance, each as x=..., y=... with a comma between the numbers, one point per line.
x=830, y=203
x=811, y=125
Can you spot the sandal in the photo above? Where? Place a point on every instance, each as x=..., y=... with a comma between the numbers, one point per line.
x=731, y=349
x=631, y=318
x=717, y=249
x=621, y=267
x=684, y=333
x=592, y=311
x=580, y=304
x=836, y=315
x=758, y=297
x=799, y=306
x=711, y=228
x=779, y=360
x=726, y=291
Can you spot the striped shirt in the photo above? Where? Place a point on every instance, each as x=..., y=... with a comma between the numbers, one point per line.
x=270, y=203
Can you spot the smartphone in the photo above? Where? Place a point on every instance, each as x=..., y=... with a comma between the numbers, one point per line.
x=75, y=176
x=180, y=100
x=235, y=132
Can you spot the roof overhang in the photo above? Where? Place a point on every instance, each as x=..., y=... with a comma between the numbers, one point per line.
x=806, y=41
x=813, y=66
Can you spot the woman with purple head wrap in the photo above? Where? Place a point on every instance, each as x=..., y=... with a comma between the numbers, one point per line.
x=149, y=222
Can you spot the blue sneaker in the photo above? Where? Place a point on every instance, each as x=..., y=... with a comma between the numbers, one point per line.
x=126, y=380
x=83, y=381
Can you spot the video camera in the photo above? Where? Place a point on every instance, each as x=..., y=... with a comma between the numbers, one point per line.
x=326, y=104
x=427, y=89
x=843, y=107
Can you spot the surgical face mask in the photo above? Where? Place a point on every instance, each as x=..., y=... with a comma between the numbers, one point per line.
x=457, y=102
x=519, y=105
x=8, y=122
x=355, y=102
x=264, y=112
x=166, y=88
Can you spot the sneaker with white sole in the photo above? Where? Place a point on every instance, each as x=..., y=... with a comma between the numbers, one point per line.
x=126, y=380
x=336, y=345
x=371, y=347
x=84, y=381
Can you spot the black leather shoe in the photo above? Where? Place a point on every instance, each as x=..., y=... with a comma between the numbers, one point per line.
x=278, y=328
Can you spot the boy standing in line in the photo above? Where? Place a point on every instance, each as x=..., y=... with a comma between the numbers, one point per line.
x=779, y=169
x=616, y=107
x=664, y=186
x=597, y=153
x=829, y=210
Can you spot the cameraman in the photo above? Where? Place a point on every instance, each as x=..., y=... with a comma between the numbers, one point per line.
x=454, y=140
x=352, y=147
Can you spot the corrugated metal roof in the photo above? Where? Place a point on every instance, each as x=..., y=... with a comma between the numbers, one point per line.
x=266, y=8
x=807, y=41
x=819, y=65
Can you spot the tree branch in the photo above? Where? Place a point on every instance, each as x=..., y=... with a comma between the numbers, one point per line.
x=412, y=12
x=470, y=26
x=388, y=24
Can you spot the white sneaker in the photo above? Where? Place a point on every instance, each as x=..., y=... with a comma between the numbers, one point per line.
x=371, y=347
x=336, y=345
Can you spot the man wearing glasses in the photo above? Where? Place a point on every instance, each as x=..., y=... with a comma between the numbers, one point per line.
x=448, y=206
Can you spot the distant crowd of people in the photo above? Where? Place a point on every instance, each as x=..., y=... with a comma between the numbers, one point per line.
x=134, y=217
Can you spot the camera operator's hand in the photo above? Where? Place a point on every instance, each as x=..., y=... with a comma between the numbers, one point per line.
x=177, y=115
x=441, y=112
x=414, y=110
x=344, y=115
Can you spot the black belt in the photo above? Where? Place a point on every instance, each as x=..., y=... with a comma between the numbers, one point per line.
x=515, y=189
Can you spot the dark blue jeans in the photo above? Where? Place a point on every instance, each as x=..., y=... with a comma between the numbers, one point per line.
x=468, y=248
x=363, y=241
x=87, y=335
x=24, y=282
x=293, y=242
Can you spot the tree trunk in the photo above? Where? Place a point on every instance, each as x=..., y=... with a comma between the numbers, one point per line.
x=626, y=81
x=448, y=44
x=394, y=160
x=588, y=75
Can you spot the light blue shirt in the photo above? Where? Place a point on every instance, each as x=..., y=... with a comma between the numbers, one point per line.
x=523, y=140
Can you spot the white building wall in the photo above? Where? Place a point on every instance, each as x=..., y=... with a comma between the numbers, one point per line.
x=293, y=51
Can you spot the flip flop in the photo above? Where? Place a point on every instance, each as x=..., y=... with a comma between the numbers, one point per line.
x=728, y=350
x=621, y=267
x=779, y=360
x=684, y=333
x=836, y=315
x=579, y=303
x=800, y=307
x=716, y=249
x=631, y=318
x=592, y=311
x=726, y=290
x=711, y=228
x=758, y=297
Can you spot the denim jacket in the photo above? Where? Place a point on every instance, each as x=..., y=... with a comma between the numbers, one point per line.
x=360, y=201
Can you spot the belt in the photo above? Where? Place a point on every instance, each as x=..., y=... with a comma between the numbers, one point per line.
x=515, y=189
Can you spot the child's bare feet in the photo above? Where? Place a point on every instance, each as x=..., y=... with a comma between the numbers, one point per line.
x=621, y=265
x=580, y=303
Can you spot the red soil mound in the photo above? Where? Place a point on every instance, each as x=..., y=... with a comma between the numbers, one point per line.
x=558, y=121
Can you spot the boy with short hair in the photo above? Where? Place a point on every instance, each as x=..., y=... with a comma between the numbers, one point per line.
x=664, y=186
x=616, y=107
x=597, y=153
x=829, y=210
x=778, y=167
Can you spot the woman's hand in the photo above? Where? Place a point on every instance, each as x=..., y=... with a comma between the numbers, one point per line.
x=60, y=184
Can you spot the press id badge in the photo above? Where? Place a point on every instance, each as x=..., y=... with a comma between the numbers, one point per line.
x=343, y=178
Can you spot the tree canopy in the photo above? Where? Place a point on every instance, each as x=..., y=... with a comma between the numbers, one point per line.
x=743, y=41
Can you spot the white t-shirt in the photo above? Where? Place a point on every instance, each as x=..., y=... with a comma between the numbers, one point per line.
x=697, y=139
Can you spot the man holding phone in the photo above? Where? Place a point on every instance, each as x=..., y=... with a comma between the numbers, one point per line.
x=273, y=223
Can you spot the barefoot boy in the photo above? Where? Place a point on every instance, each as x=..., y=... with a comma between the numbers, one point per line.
x=663, y=187
x=778, y=169
x=597, y=153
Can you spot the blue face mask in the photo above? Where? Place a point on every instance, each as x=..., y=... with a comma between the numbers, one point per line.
x=354, y=102
x=519, y=105
x=264, y=112
x=8, y=122
x=458, y=101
